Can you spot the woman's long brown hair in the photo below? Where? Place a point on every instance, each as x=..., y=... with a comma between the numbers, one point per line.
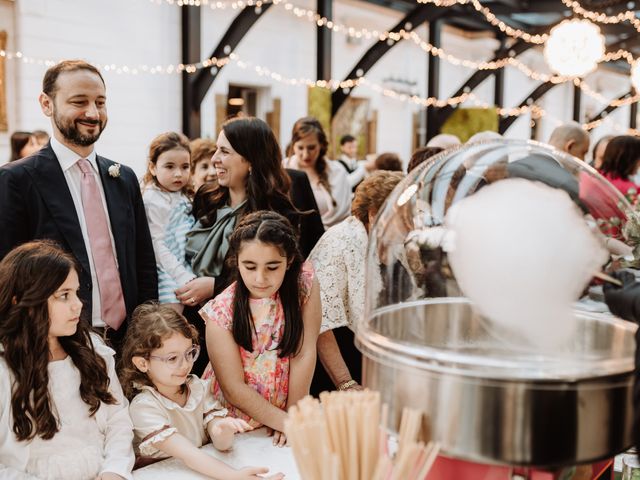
x=29, y=275
x=311, y=126
x=621, y=156
x=268, y=185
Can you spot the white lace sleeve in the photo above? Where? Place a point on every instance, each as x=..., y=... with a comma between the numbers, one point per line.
x=338, y=260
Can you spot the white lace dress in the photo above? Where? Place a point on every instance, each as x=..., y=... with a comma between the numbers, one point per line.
x=339, y=259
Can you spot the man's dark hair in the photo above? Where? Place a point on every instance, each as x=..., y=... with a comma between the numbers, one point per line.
x=346, y=139
x=52, y=74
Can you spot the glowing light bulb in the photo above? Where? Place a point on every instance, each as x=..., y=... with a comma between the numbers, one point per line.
x=574, y=48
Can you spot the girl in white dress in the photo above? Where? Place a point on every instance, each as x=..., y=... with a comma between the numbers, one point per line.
x=165, y=189
x=62, y=412
x=174, y=413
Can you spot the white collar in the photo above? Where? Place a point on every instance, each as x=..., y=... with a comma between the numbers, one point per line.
x=68, y=158
x=195, y=392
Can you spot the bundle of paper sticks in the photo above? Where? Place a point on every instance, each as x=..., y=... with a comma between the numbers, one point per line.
x=343, y=437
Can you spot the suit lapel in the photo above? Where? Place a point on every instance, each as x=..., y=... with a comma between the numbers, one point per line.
x=116, y=196
x=52, y=185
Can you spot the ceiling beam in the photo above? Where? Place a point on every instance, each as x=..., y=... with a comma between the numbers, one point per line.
x=418, y=16
x=240, y=26
x=610, y=108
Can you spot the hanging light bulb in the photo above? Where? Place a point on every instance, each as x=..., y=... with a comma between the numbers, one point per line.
x=574, y=48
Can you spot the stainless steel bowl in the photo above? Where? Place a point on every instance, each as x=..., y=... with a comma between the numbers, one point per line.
x=487, y=401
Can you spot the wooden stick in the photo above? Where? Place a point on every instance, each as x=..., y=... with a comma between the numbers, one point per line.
x=607, y=278
x=383, y=468
x=353, y=444
x=384, y=441
x=345, y=438
x=433, y=450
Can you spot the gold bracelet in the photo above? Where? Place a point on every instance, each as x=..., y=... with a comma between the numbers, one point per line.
x=346, y=385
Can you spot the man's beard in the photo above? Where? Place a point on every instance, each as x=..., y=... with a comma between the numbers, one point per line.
x=72, y=134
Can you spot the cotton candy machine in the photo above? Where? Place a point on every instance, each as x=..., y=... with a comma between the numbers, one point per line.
x=489, y=395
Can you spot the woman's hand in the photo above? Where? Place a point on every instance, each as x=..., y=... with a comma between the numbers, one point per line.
x=355, y=386
x=279, y=438
x=196, y=291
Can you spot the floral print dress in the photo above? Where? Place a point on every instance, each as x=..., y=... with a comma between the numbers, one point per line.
x=264, y=371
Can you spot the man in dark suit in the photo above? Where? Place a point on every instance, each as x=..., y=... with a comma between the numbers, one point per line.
x=88, y=204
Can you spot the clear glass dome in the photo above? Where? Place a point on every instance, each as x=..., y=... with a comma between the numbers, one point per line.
x=411, y=285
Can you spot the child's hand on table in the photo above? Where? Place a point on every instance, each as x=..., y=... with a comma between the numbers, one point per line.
x=223, y=430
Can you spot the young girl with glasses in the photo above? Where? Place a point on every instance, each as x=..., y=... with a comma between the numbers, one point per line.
x=173, y=412
x=262, y=330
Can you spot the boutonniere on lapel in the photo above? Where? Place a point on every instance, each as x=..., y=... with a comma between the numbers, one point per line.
x=114, y=170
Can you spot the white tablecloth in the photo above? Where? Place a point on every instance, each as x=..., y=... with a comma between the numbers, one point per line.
x=250, y=449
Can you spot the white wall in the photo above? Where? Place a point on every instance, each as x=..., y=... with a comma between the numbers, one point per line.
x=118, y=31
x=7, y=24
x=133, y=32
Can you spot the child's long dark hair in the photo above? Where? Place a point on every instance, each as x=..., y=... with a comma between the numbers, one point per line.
x=273, y=229
x=151, y=324
x=29, y=275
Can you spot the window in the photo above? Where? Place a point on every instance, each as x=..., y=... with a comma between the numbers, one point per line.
x=242, y=101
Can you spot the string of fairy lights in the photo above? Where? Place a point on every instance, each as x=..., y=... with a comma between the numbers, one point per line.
x=491, y=17
x=390, y=36
x=535, y=110
x=407, y=34
x=599, y=17
x=396, y=36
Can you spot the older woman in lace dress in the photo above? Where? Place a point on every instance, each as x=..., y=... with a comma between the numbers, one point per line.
x=339, y=260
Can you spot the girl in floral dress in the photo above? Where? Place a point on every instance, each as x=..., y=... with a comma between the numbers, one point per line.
x=262, y=330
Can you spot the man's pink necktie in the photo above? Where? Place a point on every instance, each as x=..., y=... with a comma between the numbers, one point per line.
x=111, y=298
